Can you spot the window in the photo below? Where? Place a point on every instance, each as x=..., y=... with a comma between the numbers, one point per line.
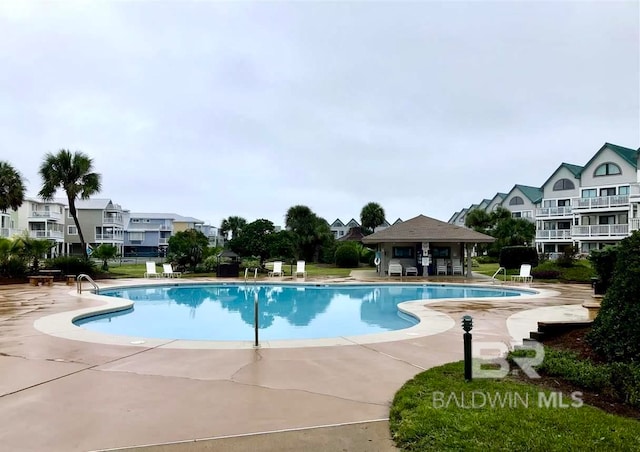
x=564, y=202
x=516, y=201
x=403, y=252
x=72, y=230
x=607, y=191
x=607, y=169
x=607, y=219
x=516, y=214
x=564, y=225
x=440, y=252
x=135, y=220
x=589, y=193
x=563, y=184
x=623, y=190
x=136, y=236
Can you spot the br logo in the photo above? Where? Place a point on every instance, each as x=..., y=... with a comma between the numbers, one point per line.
x=489, y=359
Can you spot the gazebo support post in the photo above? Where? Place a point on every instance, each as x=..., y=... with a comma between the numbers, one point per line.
x=469, y=248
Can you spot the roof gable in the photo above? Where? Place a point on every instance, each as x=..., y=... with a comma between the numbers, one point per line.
x=573, y=169
x=426, y=229
x=337, y=224
x=353, y=223
x=534, y=194
x=630, y=156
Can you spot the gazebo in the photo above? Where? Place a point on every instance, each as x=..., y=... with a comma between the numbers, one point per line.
x=421, y=241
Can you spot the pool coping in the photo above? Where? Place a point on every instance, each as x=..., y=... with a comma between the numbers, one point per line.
x=430, y=321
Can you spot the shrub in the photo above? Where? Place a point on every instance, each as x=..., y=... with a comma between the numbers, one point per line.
x=568, y=257
x=347, y=256
x=615, y=333
x=604, y=262
x=14, y=268
x=487, y=259
x=250, y=262
x=514, y=256
x=210, y=264
x=545, y=274
x=71, y=265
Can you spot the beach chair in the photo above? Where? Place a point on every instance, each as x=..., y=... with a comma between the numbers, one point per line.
x=456, y=267
x=151, y=270
x=300, y=269
x=167, y=272
x=277, y=269
x=395, y=268
x=525, y=274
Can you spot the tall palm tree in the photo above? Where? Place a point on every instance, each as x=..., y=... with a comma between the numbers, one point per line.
x=372, y=216
x=233, y=225
x=74, y=174
x=11, y=187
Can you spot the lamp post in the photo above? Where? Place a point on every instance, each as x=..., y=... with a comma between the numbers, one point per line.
x=467, y=325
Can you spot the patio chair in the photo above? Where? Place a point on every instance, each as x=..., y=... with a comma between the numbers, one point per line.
x=411, y=271
x=525, y=274
x=151, y=270
x=300, y=269
x=441, y=267
x=277, y=269
x=395, y=268
x=456, y=267
x=167, y=272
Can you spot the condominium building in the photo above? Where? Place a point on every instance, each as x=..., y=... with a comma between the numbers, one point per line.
x=587, y=206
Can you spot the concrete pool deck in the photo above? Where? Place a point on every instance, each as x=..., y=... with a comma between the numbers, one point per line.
x=63, y=394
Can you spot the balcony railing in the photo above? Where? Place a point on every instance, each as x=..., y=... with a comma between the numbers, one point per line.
x=634, y=224
x=112, y=219
x=110, y=237
x=163, y=241
x=601, y=230
x=565, y=211
x=554, y=234
x=46, y=214
x=41, y=234
x=8, y=232
x=601, y=202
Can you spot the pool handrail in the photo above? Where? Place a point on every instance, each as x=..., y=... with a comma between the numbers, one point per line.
x=88, y=278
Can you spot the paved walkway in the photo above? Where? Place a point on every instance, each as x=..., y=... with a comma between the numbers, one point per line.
x=67, y=395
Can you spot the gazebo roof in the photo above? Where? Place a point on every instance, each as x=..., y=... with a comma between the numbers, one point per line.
x=228, y=253
x=426, y=229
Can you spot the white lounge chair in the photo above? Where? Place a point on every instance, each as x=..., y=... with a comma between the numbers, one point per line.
x=525, y=274
x=456, y=267
x=411, y=271
x=277, y=269
x=300, y=269
x=441, y=267
x=167, y=272
x=395, y=268
x=151, y=270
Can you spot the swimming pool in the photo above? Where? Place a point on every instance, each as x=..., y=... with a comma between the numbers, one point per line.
x=225, y=312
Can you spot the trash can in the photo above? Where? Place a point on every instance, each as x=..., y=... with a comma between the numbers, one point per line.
x=598, y=286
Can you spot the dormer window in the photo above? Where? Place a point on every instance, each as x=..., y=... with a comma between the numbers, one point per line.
x=563, y=184
x=516, y=201
x=607, y=169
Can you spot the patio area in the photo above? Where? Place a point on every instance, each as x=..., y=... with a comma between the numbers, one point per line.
x=62, y=394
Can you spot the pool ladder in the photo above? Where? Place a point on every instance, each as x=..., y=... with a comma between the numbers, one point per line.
x=82, y=276
x=255, y=275
x=504, y=271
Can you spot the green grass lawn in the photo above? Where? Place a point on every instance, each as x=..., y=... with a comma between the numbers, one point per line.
x=438, y=410
x=137, y=270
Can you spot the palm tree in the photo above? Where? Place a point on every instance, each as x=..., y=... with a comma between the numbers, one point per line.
x=11, y=187
x=74, y=174
x=233, y=225
x=372, y=216
x=309, y=230
x=105, y=252
x=34, y=249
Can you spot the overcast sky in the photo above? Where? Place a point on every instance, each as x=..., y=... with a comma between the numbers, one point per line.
x=213, y=109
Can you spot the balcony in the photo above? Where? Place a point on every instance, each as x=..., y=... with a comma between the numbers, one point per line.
x=110, y=236
x=554, y=234
x=634, y=224
x=546, y=212
x=8, y=232
x=45, y=215
x=601, y=230
x=601, y=202
x=113, y=219
x=162, y=241
x=42, y=234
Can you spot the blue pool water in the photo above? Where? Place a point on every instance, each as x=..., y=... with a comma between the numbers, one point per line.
x=226, y=312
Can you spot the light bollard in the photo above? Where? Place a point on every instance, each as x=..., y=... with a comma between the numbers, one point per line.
x=467, y=325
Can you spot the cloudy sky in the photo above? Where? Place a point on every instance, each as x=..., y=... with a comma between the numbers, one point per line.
x=211, y=109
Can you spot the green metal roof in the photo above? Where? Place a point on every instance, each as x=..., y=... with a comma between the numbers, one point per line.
x=630, y=155
x=576, y=170
x=533, y=193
